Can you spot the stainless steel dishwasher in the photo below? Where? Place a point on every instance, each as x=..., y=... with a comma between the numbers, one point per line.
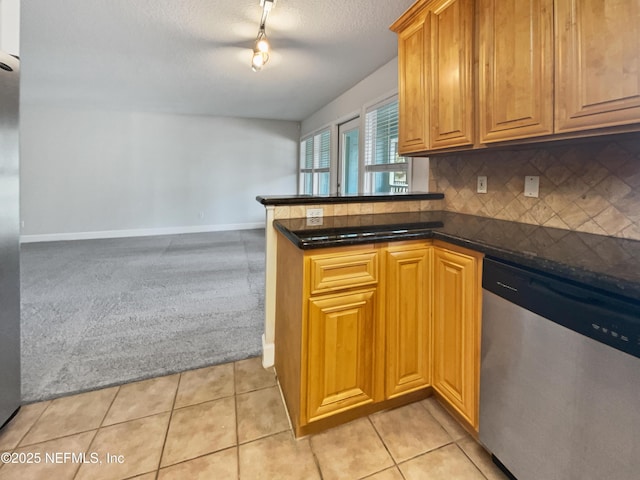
x=559, y=377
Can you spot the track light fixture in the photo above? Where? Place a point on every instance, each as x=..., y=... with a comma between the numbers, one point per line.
x=261, y=46
x=260, y=50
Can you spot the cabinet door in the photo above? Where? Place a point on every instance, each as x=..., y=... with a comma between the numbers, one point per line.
x=408, y=320
x=340, y=352
x=598, y=63
x=516, y=69
x=412, y=89
x=456, y=324
x=450, y=70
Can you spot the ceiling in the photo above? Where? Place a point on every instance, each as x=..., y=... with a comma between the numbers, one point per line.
x=193, y=56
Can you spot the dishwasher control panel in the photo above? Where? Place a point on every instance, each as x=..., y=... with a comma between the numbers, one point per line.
x=614, y=333
x=608, y=319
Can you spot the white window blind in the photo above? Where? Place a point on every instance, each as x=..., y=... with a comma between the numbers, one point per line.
x=315, y=152
x=385, y=170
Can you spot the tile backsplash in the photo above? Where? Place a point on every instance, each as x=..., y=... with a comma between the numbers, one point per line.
x=365, y=208
x=591, y=187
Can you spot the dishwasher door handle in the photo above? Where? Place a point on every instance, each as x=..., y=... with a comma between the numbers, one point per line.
x=547, y=289
x=589, y=301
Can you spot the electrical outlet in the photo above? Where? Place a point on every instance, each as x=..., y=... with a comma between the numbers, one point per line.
x=482, y=184
x=201, y=215
x=315, y=212
x=531, y=186
x=314, y=221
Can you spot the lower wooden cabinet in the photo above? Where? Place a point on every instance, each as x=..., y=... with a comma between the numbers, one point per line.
x=456, y=329
x=341, y=342
x=408, y=318
x=359, y=329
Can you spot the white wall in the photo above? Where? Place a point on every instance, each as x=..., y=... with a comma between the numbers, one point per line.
x=10, y=26
x=383, y=81
x=94, y=173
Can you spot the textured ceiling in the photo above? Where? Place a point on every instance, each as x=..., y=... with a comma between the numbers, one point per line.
x=193, y=56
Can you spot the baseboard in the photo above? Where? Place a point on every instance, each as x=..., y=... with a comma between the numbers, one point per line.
x=140, y=232
x=268, y=353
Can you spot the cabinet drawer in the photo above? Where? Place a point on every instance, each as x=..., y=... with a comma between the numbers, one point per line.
x=335, y=272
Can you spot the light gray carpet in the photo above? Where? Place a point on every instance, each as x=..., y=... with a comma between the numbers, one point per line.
x=104, y=312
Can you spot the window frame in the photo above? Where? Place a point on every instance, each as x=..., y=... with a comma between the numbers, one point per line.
x=334, y=154
x=368, y=169
x=315, y=170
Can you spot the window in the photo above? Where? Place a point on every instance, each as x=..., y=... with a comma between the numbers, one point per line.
x=384, y=170
x=315, y=159
x=349, y=157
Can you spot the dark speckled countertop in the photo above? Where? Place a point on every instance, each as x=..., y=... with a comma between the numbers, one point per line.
x=355, y=198
x=607, y=263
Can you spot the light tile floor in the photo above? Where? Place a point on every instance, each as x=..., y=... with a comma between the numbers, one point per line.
x=228, y=422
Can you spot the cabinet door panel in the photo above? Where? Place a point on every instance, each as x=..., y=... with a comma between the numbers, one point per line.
x=340, y=345
x=408, y=320
x=598, y=63
x=456, y=331
x=412, y=88
x=516, y=69
x=450, y=64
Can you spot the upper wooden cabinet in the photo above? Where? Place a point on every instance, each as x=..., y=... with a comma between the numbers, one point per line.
x=412, y=87
x=598, y=63
x=435, y=58
x=450, y=73
x=515, y=69
x=547, y=69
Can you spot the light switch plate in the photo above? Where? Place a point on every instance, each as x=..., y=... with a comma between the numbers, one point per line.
x=531, y=186
x=482, y=184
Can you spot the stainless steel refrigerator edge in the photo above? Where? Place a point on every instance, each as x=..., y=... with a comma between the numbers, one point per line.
x=9, y=239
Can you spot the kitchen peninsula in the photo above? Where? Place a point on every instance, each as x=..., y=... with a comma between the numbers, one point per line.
x=404, y=269
x=296, y=206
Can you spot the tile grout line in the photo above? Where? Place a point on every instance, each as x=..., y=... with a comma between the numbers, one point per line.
x=423, y=404
x=471, y=460
x=397, y=464
x=57, y=438
x=383, y=442
x=455, y=441
x=284, y=404
x=17, y=445
x=196, y=404
x=75, y=475
x=272, y=434
x=166, y=434
x=137, y=418
x=236, y=394
x=316, y=461
x=235, y=403
x=251, y=440
x=469, y=457
x=186, y=460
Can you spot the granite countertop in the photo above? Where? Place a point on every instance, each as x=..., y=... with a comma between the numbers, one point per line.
x=359, y=198
x=607, y=263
